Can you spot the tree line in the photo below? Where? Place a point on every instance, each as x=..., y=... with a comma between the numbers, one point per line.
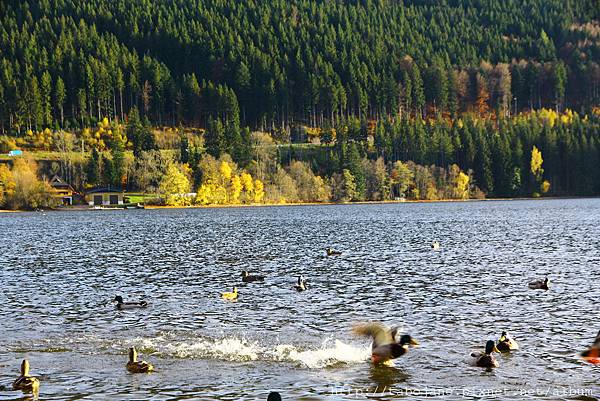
x=533, y=154
x=71, y=63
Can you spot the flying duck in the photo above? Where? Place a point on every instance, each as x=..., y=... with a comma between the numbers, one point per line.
x=385, y=347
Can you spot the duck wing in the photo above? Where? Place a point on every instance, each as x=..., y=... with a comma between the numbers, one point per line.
x=381, y=335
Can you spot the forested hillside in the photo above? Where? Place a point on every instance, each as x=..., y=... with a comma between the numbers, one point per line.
x=472, y=87
x=179, y=60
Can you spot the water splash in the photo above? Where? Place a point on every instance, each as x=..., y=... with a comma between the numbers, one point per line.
x=326, y=356
x=331, y=352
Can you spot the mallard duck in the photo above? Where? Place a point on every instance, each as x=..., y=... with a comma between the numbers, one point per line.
x=592, y=354
x=135, y=366
x=231, y=296
x=539, y=284
x=274, y=396
x=486, y=359
x=25, y=382
x=331, y=252
x=506, y=343
x=129, y=305
x=385, y=347
x=435, y=245
x=248, y=278
x=301, y=285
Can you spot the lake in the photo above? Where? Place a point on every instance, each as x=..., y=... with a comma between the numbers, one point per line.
x=59, y=272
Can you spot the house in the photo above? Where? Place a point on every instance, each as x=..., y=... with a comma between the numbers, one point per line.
x=104, y=196
x=62, y=190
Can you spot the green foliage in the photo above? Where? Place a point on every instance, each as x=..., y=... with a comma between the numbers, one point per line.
x=268, y=63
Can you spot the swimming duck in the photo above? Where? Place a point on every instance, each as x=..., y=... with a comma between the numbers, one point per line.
x=274, y=396
x=486, y=359
x=539, y=284
x=385, y=347
x=129, y=305
x=506, y=343
x=135, y=366
x=248, y=278
x=230, y=296
x=25, y=382
x=435, y=245
x=331, y=252
x=301, y=285
x=592, y=354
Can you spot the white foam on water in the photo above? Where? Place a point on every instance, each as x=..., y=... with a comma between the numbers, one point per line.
x=231, y=349
x=327, y=355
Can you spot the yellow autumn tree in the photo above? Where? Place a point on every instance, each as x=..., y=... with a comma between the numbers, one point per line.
x=236, y=189
x=259, y=191
x=247, y=182
x=247, y=187
x=225, y=170
x=23, y=189
x=536, y=167
x=545, y=186
x=7, y=183
x=461, y=186
x=175, y=185
x=205, y=194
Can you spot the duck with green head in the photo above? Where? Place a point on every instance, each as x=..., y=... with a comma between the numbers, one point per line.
x=506, y=343
x=486, y=359
x=249, y=278
x=135, y=366
x=25, y=382
x=129, y=305
x=385, y=347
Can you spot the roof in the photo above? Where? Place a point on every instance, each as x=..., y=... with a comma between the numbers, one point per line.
x=57, y=182
x=104, y=190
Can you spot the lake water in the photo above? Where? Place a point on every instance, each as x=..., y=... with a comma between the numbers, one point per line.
x=59, y=272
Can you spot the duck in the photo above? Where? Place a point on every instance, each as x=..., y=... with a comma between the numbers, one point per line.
x=230, y=296
x=506, y=343
x=129, y=305
x=301, y=285
x=135, y=366
x=385, y=347
x=248, y=278
x=592, y=354
x=25, y=382
x=331, y=252
x=539, y=284
x=435, y=245
x=486, y=359
x=274, y=396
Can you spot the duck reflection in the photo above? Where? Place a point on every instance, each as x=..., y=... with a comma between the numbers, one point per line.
x=386, y=378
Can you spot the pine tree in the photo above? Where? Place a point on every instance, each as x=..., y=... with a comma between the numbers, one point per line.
x=60, y=96
x=46, y=98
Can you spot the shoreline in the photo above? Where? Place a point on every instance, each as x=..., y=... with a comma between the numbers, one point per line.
x=252, y=205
